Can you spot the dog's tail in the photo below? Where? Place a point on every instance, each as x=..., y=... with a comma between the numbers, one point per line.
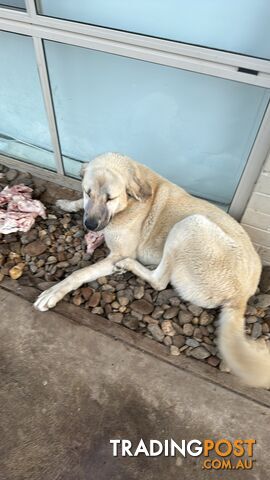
x=246, y=358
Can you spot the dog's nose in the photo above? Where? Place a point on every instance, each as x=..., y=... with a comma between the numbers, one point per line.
x=91, y=223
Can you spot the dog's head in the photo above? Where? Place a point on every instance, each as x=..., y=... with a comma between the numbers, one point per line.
x=109, y=181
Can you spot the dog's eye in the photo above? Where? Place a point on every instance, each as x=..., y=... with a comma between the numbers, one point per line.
x=109, y=198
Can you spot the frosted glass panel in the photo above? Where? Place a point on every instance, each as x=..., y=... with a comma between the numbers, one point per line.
x=234, y=25
x=18, y=4
x=23, y=124
x=194, y=129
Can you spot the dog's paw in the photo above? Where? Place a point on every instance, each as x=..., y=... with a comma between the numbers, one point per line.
x=48, y=299
x=123, y=265
x=63, y=204
x=118, y=269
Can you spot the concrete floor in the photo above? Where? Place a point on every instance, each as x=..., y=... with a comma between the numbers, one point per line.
x=66, y=390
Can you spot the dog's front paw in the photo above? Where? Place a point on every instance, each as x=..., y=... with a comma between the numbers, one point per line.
x=48, y=299
x=118, y=269
x=123, y=265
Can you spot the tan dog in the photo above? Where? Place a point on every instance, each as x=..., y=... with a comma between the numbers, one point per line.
x=203, y=252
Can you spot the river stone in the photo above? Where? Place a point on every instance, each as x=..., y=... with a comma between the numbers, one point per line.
x=157, y=313
x=142, y=306
x=2, y=260
x=261, y=301
x=170, y=313
x=102, y=280
x=149, y=319
x=138, y=292
x=123, y=301
x=40, y=273
x=51, y=259
x=184, y=317
x=29, y=236
x=87, y=292
x=108, y=308
x=265, y=280
x=24, y=176
x=200, y=353
x=205, y=318
x=265, y=328
x=179, y=340
x=131, y=322
x=251, y=319
x=94, y=300
x=35, y=248
x=77, y=300
x=164, y=296
x=138, y=315
x=61, y=256
x=211, y=348
x=120, y=286
x=188, y=329
x=167, y=328
x=250, y=310
x=115, y=317
x=75, y=259
x=174, y=301
x=107, y=297
x=45, y=285
x=204, y=330
x=11, y=175
x=167, y=341
x=107, y=287
x=213, y=361
x=4, y=249
x=156, y=332
x=127, y=293
x=62, y=264
x=197, y=333
x=147, y=296
x=52, y=228
x=256, y=330
x=195, y=310
x=33, y=268
x=177, y=328
x=191, y=342
x=15, y=247
x=98, y=310
x=174, y=350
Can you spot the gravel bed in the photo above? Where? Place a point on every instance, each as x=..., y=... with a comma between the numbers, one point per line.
x=55, y=247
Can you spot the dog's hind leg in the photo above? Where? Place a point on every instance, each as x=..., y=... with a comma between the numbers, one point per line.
x=158, y=278
x=69, y=205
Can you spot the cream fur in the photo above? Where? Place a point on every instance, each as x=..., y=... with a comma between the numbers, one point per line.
x=201, y=250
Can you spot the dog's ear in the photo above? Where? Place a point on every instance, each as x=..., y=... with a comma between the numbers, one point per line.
x=83, y=168
x=138, y=188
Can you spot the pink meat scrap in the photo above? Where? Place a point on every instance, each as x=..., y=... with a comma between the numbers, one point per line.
x=21, y=211
x=10, y=192
x=93, y=240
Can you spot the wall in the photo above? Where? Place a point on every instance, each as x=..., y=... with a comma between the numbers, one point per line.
x=256, y=219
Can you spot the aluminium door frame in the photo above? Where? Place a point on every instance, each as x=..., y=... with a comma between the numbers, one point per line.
x=196, y=59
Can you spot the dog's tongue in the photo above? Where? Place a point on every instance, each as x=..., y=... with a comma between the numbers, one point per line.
x=93, y=240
